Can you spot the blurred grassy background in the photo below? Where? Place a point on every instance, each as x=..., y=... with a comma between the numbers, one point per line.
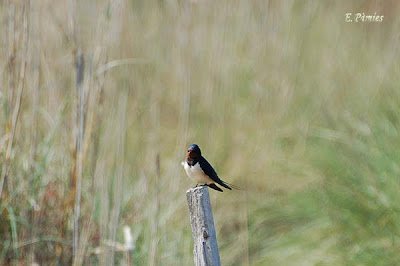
x=285, y=99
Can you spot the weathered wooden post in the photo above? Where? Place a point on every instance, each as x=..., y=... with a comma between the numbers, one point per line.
x=205, y=240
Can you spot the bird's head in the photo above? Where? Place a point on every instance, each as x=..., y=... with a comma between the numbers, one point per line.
x=193, y=151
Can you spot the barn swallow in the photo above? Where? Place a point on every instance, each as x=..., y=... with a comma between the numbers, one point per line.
x=201, y=171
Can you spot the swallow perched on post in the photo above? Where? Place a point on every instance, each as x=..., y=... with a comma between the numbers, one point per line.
x=200, y=170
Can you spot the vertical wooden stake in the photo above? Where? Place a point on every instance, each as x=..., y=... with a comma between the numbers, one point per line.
x=201, y=219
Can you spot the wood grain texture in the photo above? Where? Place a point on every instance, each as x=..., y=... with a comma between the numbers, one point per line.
x=205, y=248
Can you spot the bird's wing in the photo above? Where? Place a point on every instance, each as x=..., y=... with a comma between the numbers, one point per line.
x=209, y=170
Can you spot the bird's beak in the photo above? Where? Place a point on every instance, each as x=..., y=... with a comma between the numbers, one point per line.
x=189, y=153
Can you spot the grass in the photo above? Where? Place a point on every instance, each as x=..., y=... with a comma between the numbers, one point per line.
x=285, y=99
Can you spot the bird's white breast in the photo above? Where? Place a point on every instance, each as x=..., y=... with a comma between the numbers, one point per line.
x=196, y=173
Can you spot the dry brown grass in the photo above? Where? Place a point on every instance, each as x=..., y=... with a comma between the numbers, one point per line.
x=253, y=83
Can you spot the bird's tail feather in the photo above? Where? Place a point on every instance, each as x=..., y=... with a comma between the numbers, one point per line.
x=233, y=186
x=214, y=186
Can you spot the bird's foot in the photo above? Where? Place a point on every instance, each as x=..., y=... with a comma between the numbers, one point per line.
x=201, y=185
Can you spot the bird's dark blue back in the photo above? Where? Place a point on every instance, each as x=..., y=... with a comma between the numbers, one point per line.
x=209, y=170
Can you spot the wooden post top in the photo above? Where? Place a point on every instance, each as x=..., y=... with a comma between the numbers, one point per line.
x=201, y=219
